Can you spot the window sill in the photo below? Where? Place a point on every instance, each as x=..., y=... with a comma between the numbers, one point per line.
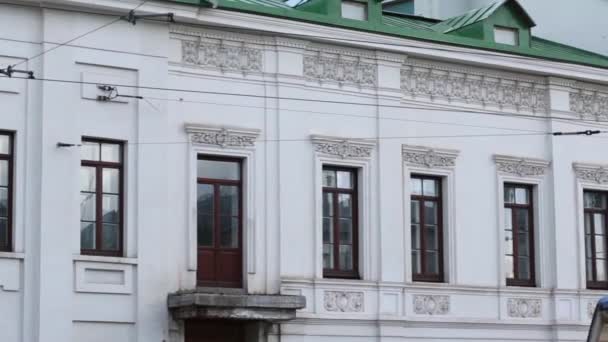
x=12, y=255
x=106, y=259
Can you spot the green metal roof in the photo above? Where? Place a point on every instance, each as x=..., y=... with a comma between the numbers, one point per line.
x=457, y=31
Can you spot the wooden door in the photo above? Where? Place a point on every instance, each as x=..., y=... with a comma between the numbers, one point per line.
x=214, y=331
x=219, y=223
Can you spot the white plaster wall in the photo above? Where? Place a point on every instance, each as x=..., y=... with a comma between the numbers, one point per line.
x=46, y=294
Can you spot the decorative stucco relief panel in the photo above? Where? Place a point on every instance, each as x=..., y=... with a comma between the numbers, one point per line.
x=591, y=173
x=451, y=83
x=589, y=101
x=341, y=69
x=521, y=166
x=343, y=148
x=342, y=301
x=431, y=305
x=428, y=157
x=222, y=56
x=222, y=136
x=524, y=308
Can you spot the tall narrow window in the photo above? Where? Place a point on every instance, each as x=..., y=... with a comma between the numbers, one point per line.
x=101, y=197
x=427, y=229
x=6, y=191
x=596, y=215
x=519, y=235
x=219, y=223
x=340, y=236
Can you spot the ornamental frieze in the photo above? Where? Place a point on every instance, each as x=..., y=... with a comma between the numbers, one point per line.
x=431, y=305
x=343, y=148
x=437, y=81
x=589, y=104
x=524, y=308
x=427, y=157
x=222, y=136
x=223, y=57
x=521, y=166
x=340, y=69
x=591, y=173
x=342, y=301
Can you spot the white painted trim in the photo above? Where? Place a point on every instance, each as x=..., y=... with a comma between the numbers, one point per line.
x=81, y=284
x=363, y=164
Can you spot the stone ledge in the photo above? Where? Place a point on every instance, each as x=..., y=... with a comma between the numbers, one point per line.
x=211, y=304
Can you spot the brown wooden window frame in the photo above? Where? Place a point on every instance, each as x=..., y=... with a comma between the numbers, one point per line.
x=99, y=167
x=336, y=272
x=594, y=284
x=216, y=183
x=438, y=199
x=9, y=205
x=530, y=207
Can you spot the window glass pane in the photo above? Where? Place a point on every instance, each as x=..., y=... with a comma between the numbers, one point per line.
x=509, y=195
x=89, y=151
x=588, y=223
x=328, y=231
x=503, y=35
x=521, y=219
x=508, y=218
x=3, y=202
x=219, y=169
x=430, y=213
x=430, y=187
x=204, y=230
x=599, y=223
x=521, y=196
x=416, y=186
x=508, y=242
x=431, y=238
x=595, y=200
x=87, y=235
x=329, y=178
x=111, y=180
x=4, y=243
x=523, y=268
x=204, y=199
x=432, y=262
x=110, y=209
x=415, y=236
x=415, y=211
x=600, y=246
x=345, y=179
x=346, y=231
x=328, y=256
x=509, y=270
x=110, y=237
x=416, y=262
x=87, y=179
x=523, y=244
x=229, y=200
x=600, y=268
x=87, y=206
x=328, y=204
x=346, y=257
x=345, y=204
x=589, y=269
x=3, y=172
x=229, y=232
x=588, y=245
x=110, y=153
x=5, y=144
x=354, y=10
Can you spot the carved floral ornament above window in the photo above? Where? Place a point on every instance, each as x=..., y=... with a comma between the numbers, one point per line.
x=521, y=167
x=224, y=137
x=430, y=158
x=343, y=147
x=591, y=173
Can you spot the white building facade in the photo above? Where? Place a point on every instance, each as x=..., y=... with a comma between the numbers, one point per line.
x=179, y=181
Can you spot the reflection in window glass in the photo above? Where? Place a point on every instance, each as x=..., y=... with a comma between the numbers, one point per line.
x=519, y=234
x=6, y=165
x=596, y=239
x=219, y=169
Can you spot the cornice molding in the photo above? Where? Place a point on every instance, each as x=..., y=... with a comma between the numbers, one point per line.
x=429, y=157
x=224, y=137
x=521, y=166
x=594, y=173
x=343, y=147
